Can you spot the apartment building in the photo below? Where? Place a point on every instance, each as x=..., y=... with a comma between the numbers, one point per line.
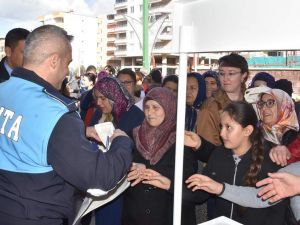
x=84, y=30
x=129, y=34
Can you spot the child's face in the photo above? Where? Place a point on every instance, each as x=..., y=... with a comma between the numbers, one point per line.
x=234, y=136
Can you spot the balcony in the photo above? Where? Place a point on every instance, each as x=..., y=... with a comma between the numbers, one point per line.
x=111, y=48
x=120, y=52
x=121, y=28
x=164, y=37
x=120, y=17
x=121, y=4
x=119, y=41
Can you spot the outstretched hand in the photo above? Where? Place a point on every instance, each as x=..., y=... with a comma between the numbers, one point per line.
x=135, y=173
x=201, y=182
x=191, y=139
x=156, y=179
x=278, y=186
x=280, y=155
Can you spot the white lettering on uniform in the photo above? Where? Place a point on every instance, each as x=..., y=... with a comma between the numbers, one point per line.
x=8, y=115
x=15, y=128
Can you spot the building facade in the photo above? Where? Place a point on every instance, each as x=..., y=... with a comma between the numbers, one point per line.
x=84, y=30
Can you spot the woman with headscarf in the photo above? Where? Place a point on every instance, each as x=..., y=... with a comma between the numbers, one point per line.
x=87, y=103
x=147, y=202
x=262, y=79
x=212, y=82
x=195, y=96
x=116, y=105
x=279, y=123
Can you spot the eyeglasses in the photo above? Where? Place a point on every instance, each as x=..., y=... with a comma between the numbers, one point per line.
x=127, y=82
x=230, y=74
x=269, y=103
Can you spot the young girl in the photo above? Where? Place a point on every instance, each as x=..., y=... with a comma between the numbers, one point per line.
x=241, y=161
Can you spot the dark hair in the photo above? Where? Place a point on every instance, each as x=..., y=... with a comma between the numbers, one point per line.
x=129, y=72
x=156, y=76
x=264, y=76
x=170, y=78
x=237, y=61
x=244, y=114
x=284, y=85
x=110, y=69
x=15, y=35
x=91, y=77
x=91, y=67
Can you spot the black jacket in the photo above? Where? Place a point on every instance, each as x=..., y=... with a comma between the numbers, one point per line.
x=147, y=205
x=3, y=72
x=222, y=168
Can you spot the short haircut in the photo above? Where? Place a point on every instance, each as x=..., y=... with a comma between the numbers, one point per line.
x=170, y=78
x=45, y=41
x=156, y=75
x=91, y=68
x=234, y=60
x=129, y=72
x=91, y=77
x=14, y=36
x=110, y=69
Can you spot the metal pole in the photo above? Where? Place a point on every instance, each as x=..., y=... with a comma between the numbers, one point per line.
x=184, y=41
x=146, y=57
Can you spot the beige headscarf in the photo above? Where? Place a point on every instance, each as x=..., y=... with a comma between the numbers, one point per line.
x=287, y=117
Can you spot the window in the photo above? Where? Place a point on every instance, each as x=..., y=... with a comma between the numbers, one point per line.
x=132, y=9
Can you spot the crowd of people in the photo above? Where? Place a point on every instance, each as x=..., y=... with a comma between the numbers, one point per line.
x=241, y=154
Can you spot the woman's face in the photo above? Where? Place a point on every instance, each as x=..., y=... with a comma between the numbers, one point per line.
x=191, y=90
x=86, y=81
x=267, y=107
x=102, y=102
x=154, y=113
x=127, y=82
x=211, y=86
x=234, y=136
x=231, y=79
x=172, y=86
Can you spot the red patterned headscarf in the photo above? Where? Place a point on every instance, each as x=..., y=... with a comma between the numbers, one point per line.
x=154, y=142
x=112, y=89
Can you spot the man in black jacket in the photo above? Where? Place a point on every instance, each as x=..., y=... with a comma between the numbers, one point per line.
x=14, y=47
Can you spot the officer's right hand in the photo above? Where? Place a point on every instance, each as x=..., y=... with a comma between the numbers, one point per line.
x=118, y=133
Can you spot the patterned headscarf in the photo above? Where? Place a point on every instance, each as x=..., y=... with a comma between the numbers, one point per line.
x=192, y=111
x=154, y=142
x=112, y=89
x=102, y=74
x=287, y=117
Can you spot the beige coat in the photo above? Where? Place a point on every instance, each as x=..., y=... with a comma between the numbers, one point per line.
x=208, y=119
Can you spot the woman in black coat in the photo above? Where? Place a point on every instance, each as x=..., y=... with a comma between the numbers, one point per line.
x=149, y=201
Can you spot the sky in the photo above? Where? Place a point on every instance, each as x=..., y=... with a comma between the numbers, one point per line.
x=25, y=13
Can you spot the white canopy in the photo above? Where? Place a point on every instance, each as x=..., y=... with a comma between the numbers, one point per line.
x=225, y=26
